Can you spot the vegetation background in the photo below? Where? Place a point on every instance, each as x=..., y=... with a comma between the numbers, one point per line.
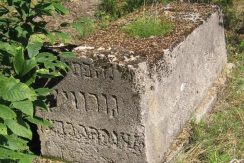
x=25, y=59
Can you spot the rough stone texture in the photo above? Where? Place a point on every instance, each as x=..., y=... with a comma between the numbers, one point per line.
x=201, y=113
x=119, y=113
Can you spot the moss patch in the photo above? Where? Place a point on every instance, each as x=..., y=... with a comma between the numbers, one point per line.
x=148, y=26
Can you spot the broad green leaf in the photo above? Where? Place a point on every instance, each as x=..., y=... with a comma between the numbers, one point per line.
x=31, y=79
x=19, y=61
x=68, y=54
x=24, y=106
x=11, y=49
x=60, y=9
x=3, y=129
x=43, y=91
x=12, y=89
x=3, y=11
x=22, y=32
x=38, y=38
x=22, y=66
x=41, y=104
x=39, y=121
x=6, y=112
x=29, y=65
x=54, y=65
x=44, y=8
x=13, y=155
x=47, y=74
x=10, y=2
x=33, y=48
x=19, y=129
x=49, y=65
x=15, y=143
x=51, y=37
x=45, y=57
x=61, y=65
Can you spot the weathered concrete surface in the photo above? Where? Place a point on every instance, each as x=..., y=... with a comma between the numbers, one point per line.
x=201, y=113
x=114, y=113
x=208, y=102
x=193, y=66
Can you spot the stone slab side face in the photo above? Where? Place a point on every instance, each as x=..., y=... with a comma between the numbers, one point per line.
x=118, y=114
x=97, y=117
x=174, y=91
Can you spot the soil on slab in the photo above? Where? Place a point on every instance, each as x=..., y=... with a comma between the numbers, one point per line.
x=116, y=46
x=125, y=49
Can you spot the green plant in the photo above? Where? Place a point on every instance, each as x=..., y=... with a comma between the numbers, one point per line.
x=84, y=26
x=117, y=8
x=148, y=26
x=241, y=46
x=24, y=63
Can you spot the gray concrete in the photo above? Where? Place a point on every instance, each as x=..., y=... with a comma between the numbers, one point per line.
x=118, y=113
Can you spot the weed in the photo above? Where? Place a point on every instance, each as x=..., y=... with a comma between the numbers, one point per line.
x=117, y=8
x=84, y=26
x=148, y=26
x=25, y=65
x=220, y=139
x=241, y=46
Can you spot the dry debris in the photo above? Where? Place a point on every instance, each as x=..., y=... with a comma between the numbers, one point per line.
x=113, y=41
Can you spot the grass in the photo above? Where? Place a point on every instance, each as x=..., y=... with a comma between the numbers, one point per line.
x=85, y=26
x=147, y=27
x=221, y=138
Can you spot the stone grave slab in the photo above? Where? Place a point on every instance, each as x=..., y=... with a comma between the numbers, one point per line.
x=116, y=106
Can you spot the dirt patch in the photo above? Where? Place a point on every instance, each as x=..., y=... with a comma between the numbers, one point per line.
x=114, y=42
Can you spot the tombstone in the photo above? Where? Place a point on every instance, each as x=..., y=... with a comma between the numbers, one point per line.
x=111, y=112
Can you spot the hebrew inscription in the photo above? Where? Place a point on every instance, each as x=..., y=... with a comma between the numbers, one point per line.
x=85, y=70
x=89, y=102
x=89, y=71
x=100, y=137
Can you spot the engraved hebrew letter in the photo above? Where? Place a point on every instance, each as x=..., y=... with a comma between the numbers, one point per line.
x=58, y=127
x=86, y=70
x=80, y=131
x=100, y=73
x=114, y=138
x=103, y=137
x=93, y=71
x=77, y=69
x=127, y=140
x=113, y=106
x=92, y=102
x=72, y=99
x=103, y=106
x=68, y=129
x=62, y=98
x=92, y=134
x=109, y=74
x=139, y=142
x=81, y=103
